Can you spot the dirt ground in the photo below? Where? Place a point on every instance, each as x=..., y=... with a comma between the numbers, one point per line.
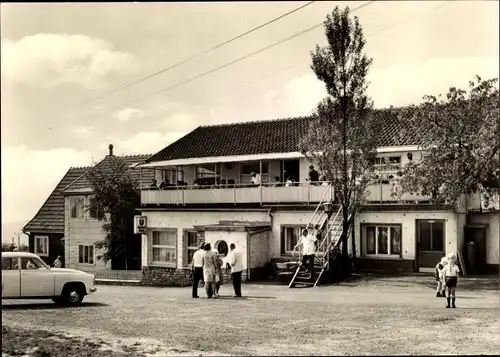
x=364, y=316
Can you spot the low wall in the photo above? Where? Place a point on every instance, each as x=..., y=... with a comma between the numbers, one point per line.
x=159, y=276
x=385, y=265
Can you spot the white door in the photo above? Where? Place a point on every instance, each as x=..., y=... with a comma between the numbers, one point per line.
x=11, y=278
x=36, y=279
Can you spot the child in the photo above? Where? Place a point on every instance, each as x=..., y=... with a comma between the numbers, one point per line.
x=451, y=272
x=440, y=290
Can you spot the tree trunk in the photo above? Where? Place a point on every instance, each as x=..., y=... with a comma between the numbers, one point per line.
x=353, y=243
x=345, y=229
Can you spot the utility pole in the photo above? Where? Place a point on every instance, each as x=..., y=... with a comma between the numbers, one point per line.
x=18, y=240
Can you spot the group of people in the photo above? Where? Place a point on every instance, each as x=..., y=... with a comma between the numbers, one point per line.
x=208, y=266
x=446, y=275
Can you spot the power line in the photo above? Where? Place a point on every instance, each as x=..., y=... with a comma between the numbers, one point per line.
x=367, y=36
x=140, y=99
x=196, y=55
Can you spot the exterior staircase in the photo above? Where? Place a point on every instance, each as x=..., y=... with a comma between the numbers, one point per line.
x=332, y=228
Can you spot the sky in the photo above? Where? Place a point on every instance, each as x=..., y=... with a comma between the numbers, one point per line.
x=60, y=61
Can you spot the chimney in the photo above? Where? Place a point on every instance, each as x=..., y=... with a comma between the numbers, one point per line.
x=110, y=149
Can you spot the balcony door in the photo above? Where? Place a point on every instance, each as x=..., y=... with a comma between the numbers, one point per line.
x=290, y=169
x=430, y=242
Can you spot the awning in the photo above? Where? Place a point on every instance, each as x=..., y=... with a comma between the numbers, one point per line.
x=219, y=159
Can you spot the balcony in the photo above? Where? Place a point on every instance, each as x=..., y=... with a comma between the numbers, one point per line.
x=300, y=193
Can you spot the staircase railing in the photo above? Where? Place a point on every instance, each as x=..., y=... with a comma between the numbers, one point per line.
x=340, y=226
x=297, y=246
x=326, y=257
x=328, y=232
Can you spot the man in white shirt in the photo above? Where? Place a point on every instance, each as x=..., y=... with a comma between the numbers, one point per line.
x=197, y=269
x=236, y=262
x=255, y=179
x=308, y=242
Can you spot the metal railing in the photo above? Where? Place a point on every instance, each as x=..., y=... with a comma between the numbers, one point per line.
x=377, y=192
x=236, y=193
x=321, y=220
x=108, y=274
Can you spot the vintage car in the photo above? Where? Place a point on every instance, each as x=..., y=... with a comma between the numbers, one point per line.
x=26, y=276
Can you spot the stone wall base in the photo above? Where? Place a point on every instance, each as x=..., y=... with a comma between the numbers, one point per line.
x=159, y=276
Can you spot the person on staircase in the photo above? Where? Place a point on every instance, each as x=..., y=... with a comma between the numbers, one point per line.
x=308, y=242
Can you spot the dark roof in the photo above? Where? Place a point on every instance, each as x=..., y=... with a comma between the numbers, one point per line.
x=50, y=217
x=82, y=183
x=268, y=136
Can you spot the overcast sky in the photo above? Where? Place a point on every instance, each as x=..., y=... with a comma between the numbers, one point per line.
x=55, y=57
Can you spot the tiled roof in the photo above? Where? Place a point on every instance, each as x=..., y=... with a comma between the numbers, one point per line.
x=267, y=136
x=81, y=183
x=50, y=217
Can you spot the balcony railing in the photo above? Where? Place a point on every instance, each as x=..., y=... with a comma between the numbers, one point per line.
x=267, y=193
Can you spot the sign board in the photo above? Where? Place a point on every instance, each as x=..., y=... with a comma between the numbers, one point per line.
x=140, y=224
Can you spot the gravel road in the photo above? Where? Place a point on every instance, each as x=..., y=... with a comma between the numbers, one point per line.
x=369, y=316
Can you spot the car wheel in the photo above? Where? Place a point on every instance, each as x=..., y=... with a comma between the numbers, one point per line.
x=72, y=295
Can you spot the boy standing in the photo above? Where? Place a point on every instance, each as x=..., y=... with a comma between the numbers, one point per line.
x=451, y=272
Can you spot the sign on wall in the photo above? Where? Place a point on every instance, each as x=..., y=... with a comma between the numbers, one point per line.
x=140, y=224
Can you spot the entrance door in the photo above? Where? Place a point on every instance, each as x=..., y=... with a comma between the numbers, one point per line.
x=430, y=242
x=291, y=170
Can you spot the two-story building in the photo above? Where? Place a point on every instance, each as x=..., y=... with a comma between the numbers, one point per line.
x=46, y=228
x=247, y=183
x=81, y=231
x=63, y=225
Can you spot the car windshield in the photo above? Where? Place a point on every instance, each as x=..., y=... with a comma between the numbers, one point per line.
x=39, y=263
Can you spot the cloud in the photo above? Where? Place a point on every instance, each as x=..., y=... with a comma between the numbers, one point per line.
x=270, y=95
x=48, y=60
x=29, y=176
x=180, y=122
x=405, y=84
x=128, y=113
x=146, y=142
x=302, y=94
x=82, y=131
x=397, y=85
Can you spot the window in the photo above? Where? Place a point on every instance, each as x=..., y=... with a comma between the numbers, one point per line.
x=164, y=246
x=190, y=246
x=85, y=254
x=42, y=245
x=77, y=206
x=289, y=238
x=31, y=263
x=172, y=175
x=431, y=236
x=96, y=209
x=247, y=169
x=222, y=248
x=9, y=263
x=387, y=160
x=203, y=171
x=383, y=240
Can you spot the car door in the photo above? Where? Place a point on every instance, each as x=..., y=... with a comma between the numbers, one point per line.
x=36, y=279
x=11, y=278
